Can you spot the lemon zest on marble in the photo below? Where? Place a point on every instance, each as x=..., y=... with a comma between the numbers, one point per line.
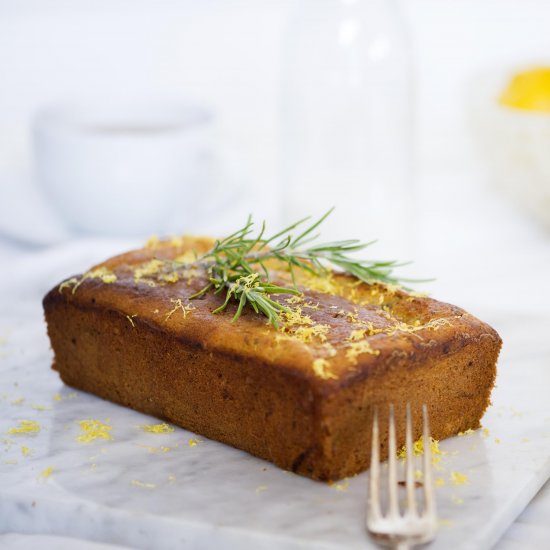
x=155, y=450
x=94, y=429
x=343, y=486
x=137, y=483
x=46, y=472
x=18, y=401
x=162, y=428
x=25, y=427
x=485, y=432
x=469, y=431
x=41, y=407
x=25, y=451
x=457, y=478
x=261, y=489
x=193, y=442
x=440, y=482
x=497, y=440
x=59, y=397
x=457, y=500
x=321, y=367
x=418, y=450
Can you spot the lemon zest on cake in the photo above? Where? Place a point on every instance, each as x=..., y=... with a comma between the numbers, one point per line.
x=162, y=428
x=147, y=270
x=295, y=299
x=103, y=273
x=152, y=242
x=188, y=257
x=177, y=241
x=25, y=427
x=178, y=305
x=356, y=335
x=94, y=429
x=131, y=319
x=359, y=348
x=321, y=369
x=302, y=327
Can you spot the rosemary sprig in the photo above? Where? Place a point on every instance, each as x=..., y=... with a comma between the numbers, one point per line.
x=237, y=266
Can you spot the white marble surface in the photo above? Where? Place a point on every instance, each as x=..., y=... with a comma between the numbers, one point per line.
x=213, y=496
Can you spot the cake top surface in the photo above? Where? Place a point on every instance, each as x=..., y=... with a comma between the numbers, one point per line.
x=336, y=329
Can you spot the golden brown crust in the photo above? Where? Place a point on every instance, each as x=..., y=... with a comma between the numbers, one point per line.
x=300, y=396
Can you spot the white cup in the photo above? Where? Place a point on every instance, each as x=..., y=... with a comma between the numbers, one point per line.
x=124, y=169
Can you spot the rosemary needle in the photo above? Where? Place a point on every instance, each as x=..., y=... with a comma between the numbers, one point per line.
x=237, y=266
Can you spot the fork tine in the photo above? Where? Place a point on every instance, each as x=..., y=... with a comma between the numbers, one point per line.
x=411, y=500
x=374, y=474
x=393, y=509
x=428, y=482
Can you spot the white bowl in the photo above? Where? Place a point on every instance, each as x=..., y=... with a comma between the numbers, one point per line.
x=514, y=143
x=123, y=168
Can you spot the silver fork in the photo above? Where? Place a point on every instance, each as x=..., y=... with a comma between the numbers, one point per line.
x=414, y=526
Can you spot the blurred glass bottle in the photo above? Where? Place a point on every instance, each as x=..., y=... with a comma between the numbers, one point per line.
x=347, y=121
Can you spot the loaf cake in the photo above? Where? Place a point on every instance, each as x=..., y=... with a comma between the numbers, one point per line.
x=300, y=395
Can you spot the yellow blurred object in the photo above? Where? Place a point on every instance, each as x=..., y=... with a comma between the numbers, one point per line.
x=529, y=90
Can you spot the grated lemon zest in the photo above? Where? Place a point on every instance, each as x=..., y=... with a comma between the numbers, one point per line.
x=94, y=429
x=178, y=304
x=162, y=428
x=321, y=369
x=355, y=349
x=458, y=478
x=137, y=483
x=25, y=427
x=46, y=473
